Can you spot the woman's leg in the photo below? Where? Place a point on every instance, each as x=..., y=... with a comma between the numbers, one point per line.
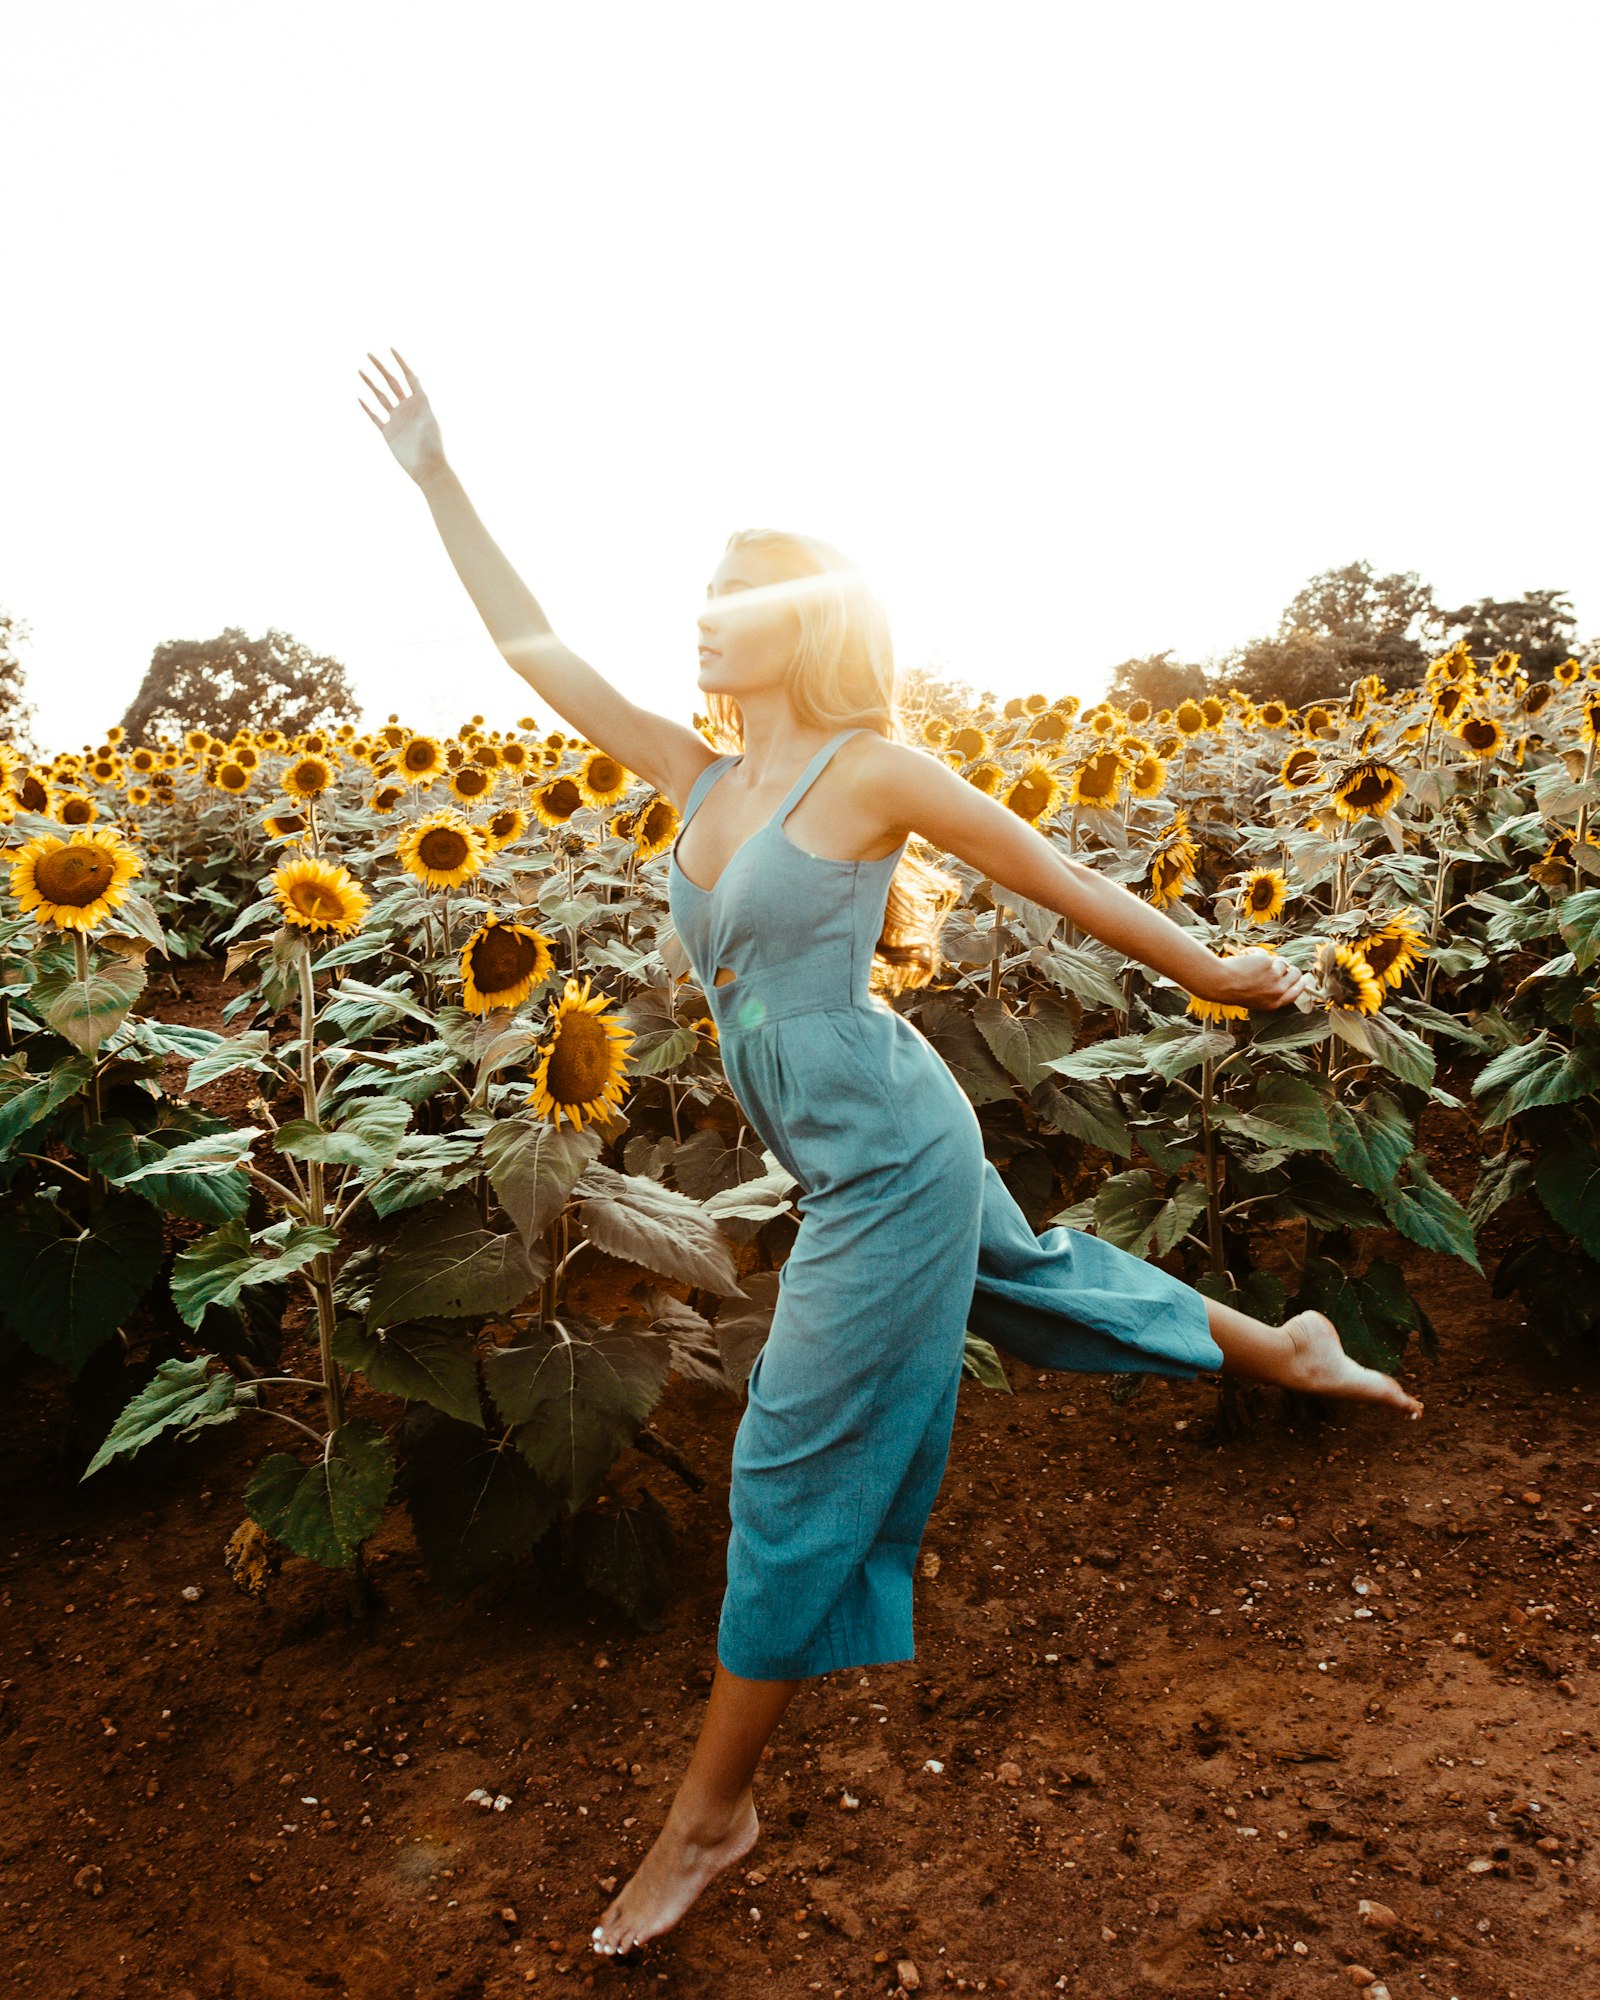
x=1304, y=1353
x=712, y=1819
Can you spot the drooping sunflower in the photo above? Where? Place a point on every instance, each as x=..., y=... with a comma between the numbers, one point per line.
x=654, y=827
x=1450, y=703
x=501, y=828
x=1392, y=951
x=501, y=964
x=320, y=896
x=285, y=826
x=1368, y=787
x=555, y=801
x=307, y=777
x=442, y=850
x=471, y=783
x=74, y=883
x=602, y=779
x=1034, y=794
x=1555, y=869
x=1535, y=697
x=1171, y=862
x=581, y=1068
x=1097, y=781
x=1347, y=980
x=1481, y=736
x=1266, y=890
x=1589, y=720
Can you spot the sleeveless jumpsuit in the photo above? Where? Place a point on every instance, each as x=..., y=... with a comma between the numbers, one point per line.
x=908, y=1238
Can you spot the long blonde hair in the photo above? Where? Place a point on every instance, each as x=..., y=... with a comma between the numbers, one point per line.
x=843, y=675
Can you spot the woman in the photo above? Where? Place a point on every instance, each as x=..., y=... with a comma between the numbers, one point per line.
x=790, y=898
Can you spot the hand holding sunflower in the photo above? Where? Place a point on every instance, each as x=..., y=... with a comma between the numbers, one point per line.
x=1259, y=980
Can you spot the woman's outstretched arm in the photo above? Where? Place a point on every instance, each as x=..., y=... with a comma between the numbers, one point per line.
x=917, y=793
x=663, y=752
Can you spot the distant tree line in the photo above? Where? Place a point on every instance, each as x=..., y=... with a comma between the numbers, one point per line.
x=1349, y=622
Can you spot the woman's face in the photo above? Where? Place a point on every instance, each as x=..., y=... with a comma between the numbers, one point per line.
x=749, y=627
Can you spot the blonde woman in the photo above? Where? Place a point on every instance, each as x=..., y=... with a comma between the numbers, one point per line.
x=798, y=902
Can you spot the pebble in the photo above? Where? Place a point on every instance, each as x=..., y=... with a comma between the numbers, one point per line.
x=1358, y=1975
x=1376, y=1916
x=908, y=1975
x=191, y=1593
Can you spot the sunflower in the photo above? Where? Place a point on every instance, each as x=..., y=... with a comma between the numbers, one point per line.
x=602, y=780
x=1481, y=736
x=580, y=1071
x=1449, y=703
x=143, y=760
x=471, y=782
x=1034, y=794
x=1348, y=982
x=1148, y=778
x=1214, y=711
x=76, y=809
x=320, y=896
x=443, y=850
x=307, y=777
x=1392, y=951
x=986, y=777
x=1171, y=862
x=35, y=793
x=555, y=801
x=232, y=776
x=1568, y=672
x=501, y=964
x=138, y=795
x=1554, y=869
x=74, y=883
x=1318, y=720
x=1189, y=718
x=501, y=828
x=386, y=797
x=1273, y=714
x=1535, y=697
x=285, y=826
x=1266, y=890
x=1097, y=781
x=1589, y=727
x=1368, y=787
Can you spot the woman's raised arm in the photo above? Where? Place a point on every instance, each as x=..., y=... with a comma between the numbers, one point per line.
x=665, y=753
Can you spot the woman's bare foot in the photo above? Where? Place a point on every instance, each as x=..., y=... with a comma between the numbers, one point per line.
x=688, y=1851
x=1322, y=1368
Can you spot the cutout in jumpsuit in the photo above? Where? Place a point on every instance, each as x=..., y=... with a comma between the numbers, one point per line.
x=908, y=1238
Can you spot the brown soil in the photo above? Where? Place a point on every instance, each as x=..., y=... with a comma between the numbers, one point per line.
x=1196, y=1699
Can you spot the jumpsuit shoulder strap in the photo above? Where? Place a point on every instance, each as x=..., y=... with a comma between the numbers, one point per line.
x=814, y=769
x=703, y=784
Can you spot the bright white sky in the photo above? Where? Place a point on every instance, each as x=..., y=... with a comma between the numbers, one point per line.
x=1089, y=331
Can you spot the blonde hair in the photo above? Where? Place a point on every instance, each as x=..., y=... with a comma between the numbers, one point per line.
x=843, y=675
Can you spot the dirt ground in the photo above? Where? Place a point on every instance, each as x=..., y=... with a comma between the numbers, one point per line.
x=1190, y=1715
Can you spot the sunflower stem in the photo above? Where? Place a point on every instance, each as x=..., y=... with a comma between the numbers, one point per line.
x=91, y=1101
x=1219, y=1268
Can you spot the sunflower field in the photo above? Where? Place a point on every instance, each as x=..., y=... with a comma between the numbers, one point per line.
x=460, y=1148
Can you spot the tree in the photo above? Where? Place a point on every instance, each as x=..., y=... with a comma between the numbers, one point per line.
x=16, y=711
x=1540, y=625
x=233, y=682
x=1345, y=623
x=1160, y=680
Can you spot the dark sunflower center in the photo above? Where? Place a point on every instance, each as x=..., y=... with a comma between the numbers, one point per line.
x=580, y=1063
x=503, y=824
x=443, y=849
x=1098, y=779
x=77, y=812
x=74, y=876
x=472, y=781
x=1263, y=894
x=605, y=774
x=1380, y=953
x=317, y=899
x=1369, y=790
x=289, y=823
x=309, y=775
x=418, y=756
x=502, y=958
x=1478, y=733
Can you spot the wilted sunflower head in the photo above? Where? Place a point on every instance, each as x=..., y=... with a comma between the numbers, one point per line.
x=320, y=896
x=76, y=882
x=501, y=964
x=1171, y=862
x=581, y=1069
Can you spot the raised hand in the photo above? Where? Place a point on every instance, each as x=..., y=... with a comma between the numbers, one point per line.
x=412, y=430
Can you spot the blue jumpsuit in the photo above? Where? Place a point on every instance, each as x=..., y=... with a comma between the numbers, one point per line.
x=908, y=1238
